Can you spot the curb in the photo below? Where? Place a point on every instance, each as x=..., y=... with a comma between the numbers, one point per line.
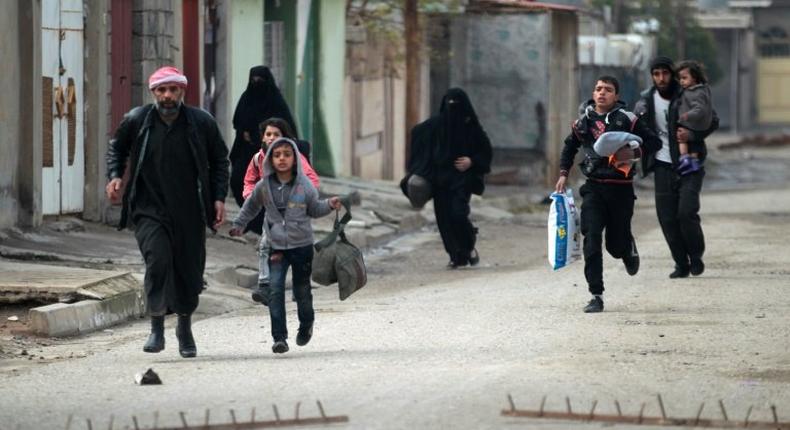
x=68, y=319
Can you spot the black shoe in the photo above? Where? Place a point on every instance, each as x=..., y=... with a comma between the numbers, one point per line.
x=680, y=272
x=186, y=342
x=595, y=305
x=631, y=261
x=156, y=340
x=304, y=334
x=453, y=265
x=697, y=266
x=261, y=294
x=474, y=258
x=280, y=347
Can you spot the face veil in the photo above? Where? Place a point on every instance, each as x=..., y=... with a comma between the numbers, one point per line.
x=457, y=128
x=260, y=101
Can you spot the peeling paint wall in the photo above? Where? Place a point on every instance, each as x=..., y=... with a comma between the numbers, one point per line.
x=9, y=115
x=501, y=61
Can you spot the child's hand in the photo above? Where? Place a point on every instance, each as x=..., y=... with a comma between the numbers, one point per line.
x=235, y=231
x=334, y=202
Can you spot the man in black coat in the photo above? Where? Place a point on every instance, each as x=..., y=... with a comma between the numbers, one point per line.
x=677, y=192
x=168, y=165
x=608, y=194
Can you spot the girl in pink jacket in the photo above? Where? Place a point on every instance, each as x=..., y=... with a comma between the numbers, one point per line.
x=271, y=130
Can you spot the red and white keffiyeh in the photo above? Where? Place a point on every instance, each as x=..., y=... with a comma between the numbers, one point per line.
x=167, y=75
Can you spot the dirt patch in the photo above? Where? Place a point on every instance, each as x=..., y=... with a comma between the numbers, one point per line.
x=14, y=319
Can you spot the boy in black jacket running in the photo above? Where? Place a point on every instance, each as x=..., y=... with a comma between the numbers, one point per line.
x=608, y=195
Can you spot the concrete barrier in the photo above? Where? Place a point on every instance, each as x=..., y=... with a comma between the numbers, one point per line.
x=69, y=319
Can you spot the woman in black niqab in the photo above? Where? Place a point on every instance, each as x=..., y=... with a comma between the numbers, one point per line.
x=259, y=102
x=452, y=152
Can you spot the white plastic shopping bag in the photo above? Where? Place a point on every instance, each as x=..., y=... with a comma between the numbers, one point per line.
x=564, y=230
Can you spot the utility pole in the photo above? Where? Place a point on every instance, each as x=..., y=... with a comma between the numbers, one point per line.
x=617, y=16
x=680, y=10
x=411, y=32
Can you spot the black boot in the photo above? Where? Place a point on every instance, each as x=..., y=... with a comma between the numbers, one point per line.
x=186, y=343
x=156, y=340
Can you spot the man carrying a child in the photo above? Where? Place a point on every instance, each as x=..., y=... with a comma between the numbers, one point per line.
x=682, y=117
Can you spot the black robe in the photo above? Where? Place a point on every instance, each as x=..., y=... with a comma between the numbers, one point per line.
x=259, y=102
x=435, y=145
x=169, y=227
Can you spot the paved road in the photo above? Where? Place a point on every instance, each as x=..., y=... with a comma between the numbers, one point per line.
x=422, y=347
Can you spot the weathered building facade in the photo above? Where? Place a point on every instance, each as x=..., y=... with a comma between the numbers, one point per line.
x=72, y=68
x=517, y=60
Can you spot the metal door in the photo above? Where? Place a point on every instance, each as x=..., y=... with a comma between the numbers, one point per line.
x=773, y=96
x=63, y=174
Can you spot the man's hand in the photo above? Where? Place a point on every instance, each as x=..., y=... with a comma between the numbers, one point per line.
x=276, y=257
x=682, y=135
x=219, y=210
x=114, y=190
x=462, y=164
x=560, y=187
x=235, y=231
x=334, y=203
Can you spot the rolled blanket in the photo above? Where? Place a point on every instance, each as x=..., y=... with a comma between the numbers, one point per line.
x=608, y=143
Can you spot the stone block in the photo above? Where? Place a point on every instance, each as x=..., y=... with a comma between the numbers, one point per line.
x=137, y=23
x=358, y=237
x=58, y=319
x=61, y=319
x=412, y=222
x=379, y=235
x=246, y=278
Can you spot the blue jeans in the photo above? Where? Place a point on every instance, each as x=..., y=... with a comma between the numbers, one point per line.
x=301, y=262
x=263, y=258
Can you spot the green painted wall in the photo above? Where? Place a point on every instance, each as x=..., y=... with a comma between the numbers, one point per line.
x=319, y=87
x=331, y=75
x=285, y=11
x=246, y=47
x=306, y=81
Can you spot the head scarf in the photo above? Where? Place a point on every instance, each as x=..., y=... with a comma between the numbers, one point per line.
x=260, y=101
x=457, y=130
x=167, y=75
x=454, y=132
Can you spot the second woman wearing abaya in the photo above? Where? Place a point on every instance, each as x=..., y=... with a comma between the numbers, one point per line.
x=452, y=152
x=260, y=101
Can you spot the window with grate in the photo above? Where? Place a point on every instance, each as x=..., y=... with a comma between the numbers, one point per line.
x=774, y=42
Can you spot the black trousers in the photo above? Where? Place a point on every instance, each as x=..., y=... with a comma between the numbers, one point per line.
x=677, y=206
x=173, y=267
x=605, y=208
x=451, y=205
